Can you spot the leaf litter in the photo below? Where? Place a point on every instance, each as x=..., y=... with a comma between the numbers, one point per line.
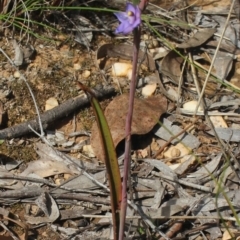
x=179, y=190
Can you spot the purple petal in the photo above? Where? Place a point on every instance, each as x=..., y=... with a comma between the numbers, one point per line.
x=131, y=8
x=138, y=13
x=128, y=21
x=124, y=28
x=131, y=19
x=122, y=16
x=127, y=29
x=136, y=23
x=120, y=28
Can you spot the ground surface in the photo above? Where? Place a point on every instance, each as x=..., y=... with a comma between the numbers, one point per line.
x=52, y=72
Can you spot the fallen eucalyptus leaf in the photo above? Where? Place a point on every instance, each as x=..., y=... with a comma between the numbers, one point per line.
x=83, y=35
x=200, y=37
x=18, y=58
x=207, y=169
x=9, y=183
x=48, y=206
x=124, y=51
x=46, y=168
x=145, y=116
x=171, y=66
x=227, y=134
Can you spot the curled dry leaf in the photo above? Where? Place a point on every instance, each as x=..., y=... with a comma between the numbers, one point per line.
x=46, y=168
x=146, y=114
x=18, y=59
x=171, y=66
x=48, y=205
x=200, y=37
x=125, y=52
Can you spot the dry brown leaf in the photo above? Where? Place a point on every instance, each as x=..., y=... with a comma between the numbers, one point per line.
x=145, y=116
x=46, y=168
x=123, y=51
x=200, y=37
x=48, y=205
x=171, y=66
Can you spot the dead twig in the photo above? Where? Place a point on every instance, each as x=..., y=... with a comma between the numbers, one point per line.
x=188, y=184
x=33, y=192
x=54, y=114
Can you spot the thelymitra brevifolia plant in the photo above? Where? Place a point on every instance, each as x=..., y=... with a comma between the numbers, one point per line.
x=130, y=21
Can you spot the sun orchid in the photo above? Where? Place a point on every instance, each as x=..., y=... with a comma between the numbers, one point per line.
x=129, y=19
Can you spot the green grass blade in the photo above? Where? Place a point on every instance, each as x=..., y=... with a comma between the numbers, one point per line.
x=111, y=160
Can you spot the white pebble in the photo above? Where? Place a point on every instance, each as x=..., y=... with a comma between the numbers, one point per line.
x=149, y=89
x=17, y=74
x=191, y=106
x=77, y=66
x=86, y=73
x=51, y=103
x=121, y=69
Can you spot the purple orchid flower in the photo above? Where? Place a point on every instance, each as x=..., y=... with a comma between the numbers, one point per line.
x=129, y=19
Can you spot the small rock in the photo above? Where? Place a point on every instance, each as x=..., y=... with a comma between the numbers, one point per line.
x=173, y=93
x=121, y=69
x=178, y=150
x=17, y=74
x=34, y=209
x=62, y=37
x=51, y=103
x=149, y=90
x=87, y=149
x=66, y=176
x=191, y=106
x=59, y=181
x=86, y=73
x=77, y=66
x=145, y=37
x=238, y=71
x=175, y=152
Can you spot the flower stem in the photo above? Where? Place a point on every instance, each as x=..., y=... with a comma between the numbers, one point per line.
x=127, y=154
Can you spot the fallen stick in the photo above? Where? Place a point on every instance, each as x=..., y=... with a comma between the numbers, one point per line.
x=54, y=114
